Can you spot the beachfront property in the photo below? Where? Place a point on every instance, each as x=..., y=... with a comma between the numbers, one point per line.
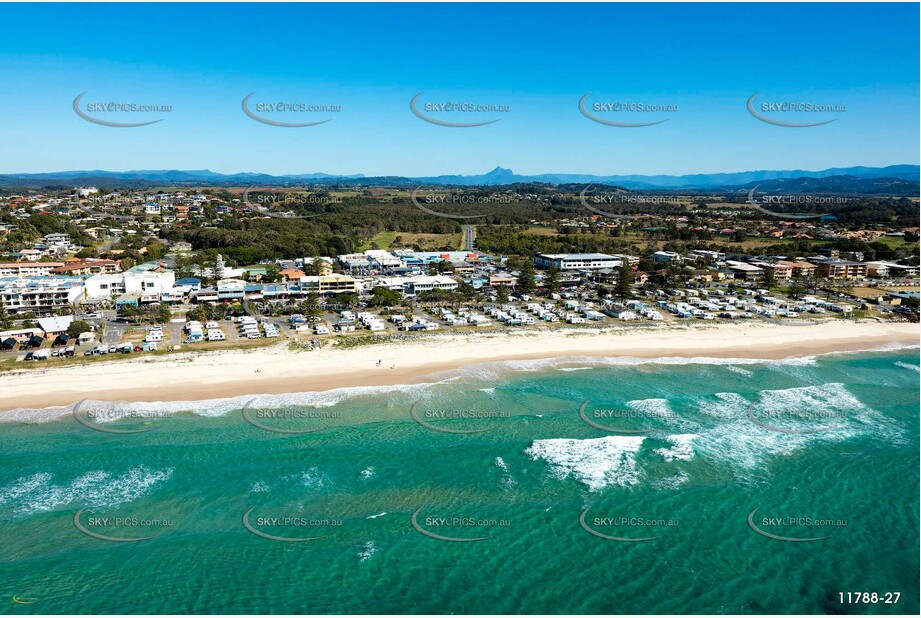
x=40, y=295
x=148, y=286
x=328, y=284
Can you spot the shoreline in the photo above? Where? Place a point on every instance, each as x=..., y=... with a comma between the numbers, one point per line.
x=278, y=370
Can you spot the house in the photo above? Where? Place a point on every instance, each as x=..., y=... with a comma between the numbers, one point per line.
x=52, y=327
x=291, y=274
x=503, y=279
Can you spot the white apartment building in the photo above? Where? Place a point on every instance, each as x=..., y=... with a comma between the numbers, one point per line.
x=148, y=285
x=577, y=261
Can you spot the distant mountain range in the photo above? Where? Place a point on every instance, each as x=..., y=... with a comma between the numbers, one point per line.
x=899, y=179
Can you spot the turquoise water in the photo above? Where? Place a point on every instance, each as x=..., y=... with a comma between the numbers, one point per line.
x=832, y=438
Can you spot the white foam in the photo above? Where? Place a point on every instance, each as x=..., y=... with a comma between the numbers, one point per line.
x=95, y=489
x=258, y=487
x=651, y=408
x=672, y=482
x=507, y=481
x=367, y=552
x=740, y=371
x=376, y=516
x=114, y=410
x=23, y=486
x=907, y=366
x=367, y=473
x=826, y=412
x=595, y=462
x=314, y=479
x=682, y=448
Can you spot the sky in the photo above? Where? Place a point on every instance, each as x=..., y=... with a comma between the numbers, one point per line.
x=534, y=60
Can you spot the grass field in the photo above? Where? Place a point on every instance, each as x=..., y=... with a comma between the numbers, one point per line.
x=402, y=240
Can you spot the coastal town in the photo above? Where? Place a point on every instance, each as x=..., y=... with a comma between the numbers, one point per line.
x=86, y=274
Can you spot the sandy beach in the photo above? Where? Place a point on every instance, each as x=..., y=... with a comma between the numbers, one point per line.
x=191, y=376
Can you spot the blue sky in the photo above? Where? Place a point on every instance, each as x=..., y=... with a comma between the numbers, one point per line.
x=537, y=59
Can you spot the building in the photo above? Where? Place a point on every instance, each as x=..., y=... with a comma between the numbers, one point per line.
x=291, y=274
x=329, y=284
x=324, y=265
x=842, y=269
x=52, y=327
x=148, y=285
x=27, y=269
x=798, y=268
x=890, y=269
x=577, y=261
x=40, y=295
x=742, y=270
x=89, y=266
x=413, y=286
x=708, y=255
x=503, y=279
x=666, y=256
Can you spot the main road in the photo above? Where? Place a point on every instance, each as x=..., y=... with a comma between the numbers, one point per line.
x=469, y=237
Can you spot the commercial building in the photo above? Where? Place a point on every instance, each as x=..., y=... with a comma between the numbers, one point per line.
x=577, y=261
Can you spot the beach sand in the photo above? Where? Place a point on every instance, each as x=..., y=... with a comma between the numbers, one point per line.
x=197, y=376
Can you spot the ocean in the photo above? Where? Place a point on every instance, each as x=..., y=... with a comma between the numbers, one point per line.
x=619, y=486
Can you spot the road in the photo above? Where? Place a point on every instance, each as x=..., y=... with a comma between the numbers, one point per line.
x=469, y=237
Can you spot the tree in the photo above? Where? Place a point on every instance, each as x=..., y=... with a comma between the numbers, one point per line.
x=502, y=294
x=78, y=326
x=553, y=279
x=6, y=322
x=797, y=287
x=310, y=306
x=624, y=280
x=767, y=278
x=271, y=273
x=156, y=250
x=526, y=276
x=384, y=297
